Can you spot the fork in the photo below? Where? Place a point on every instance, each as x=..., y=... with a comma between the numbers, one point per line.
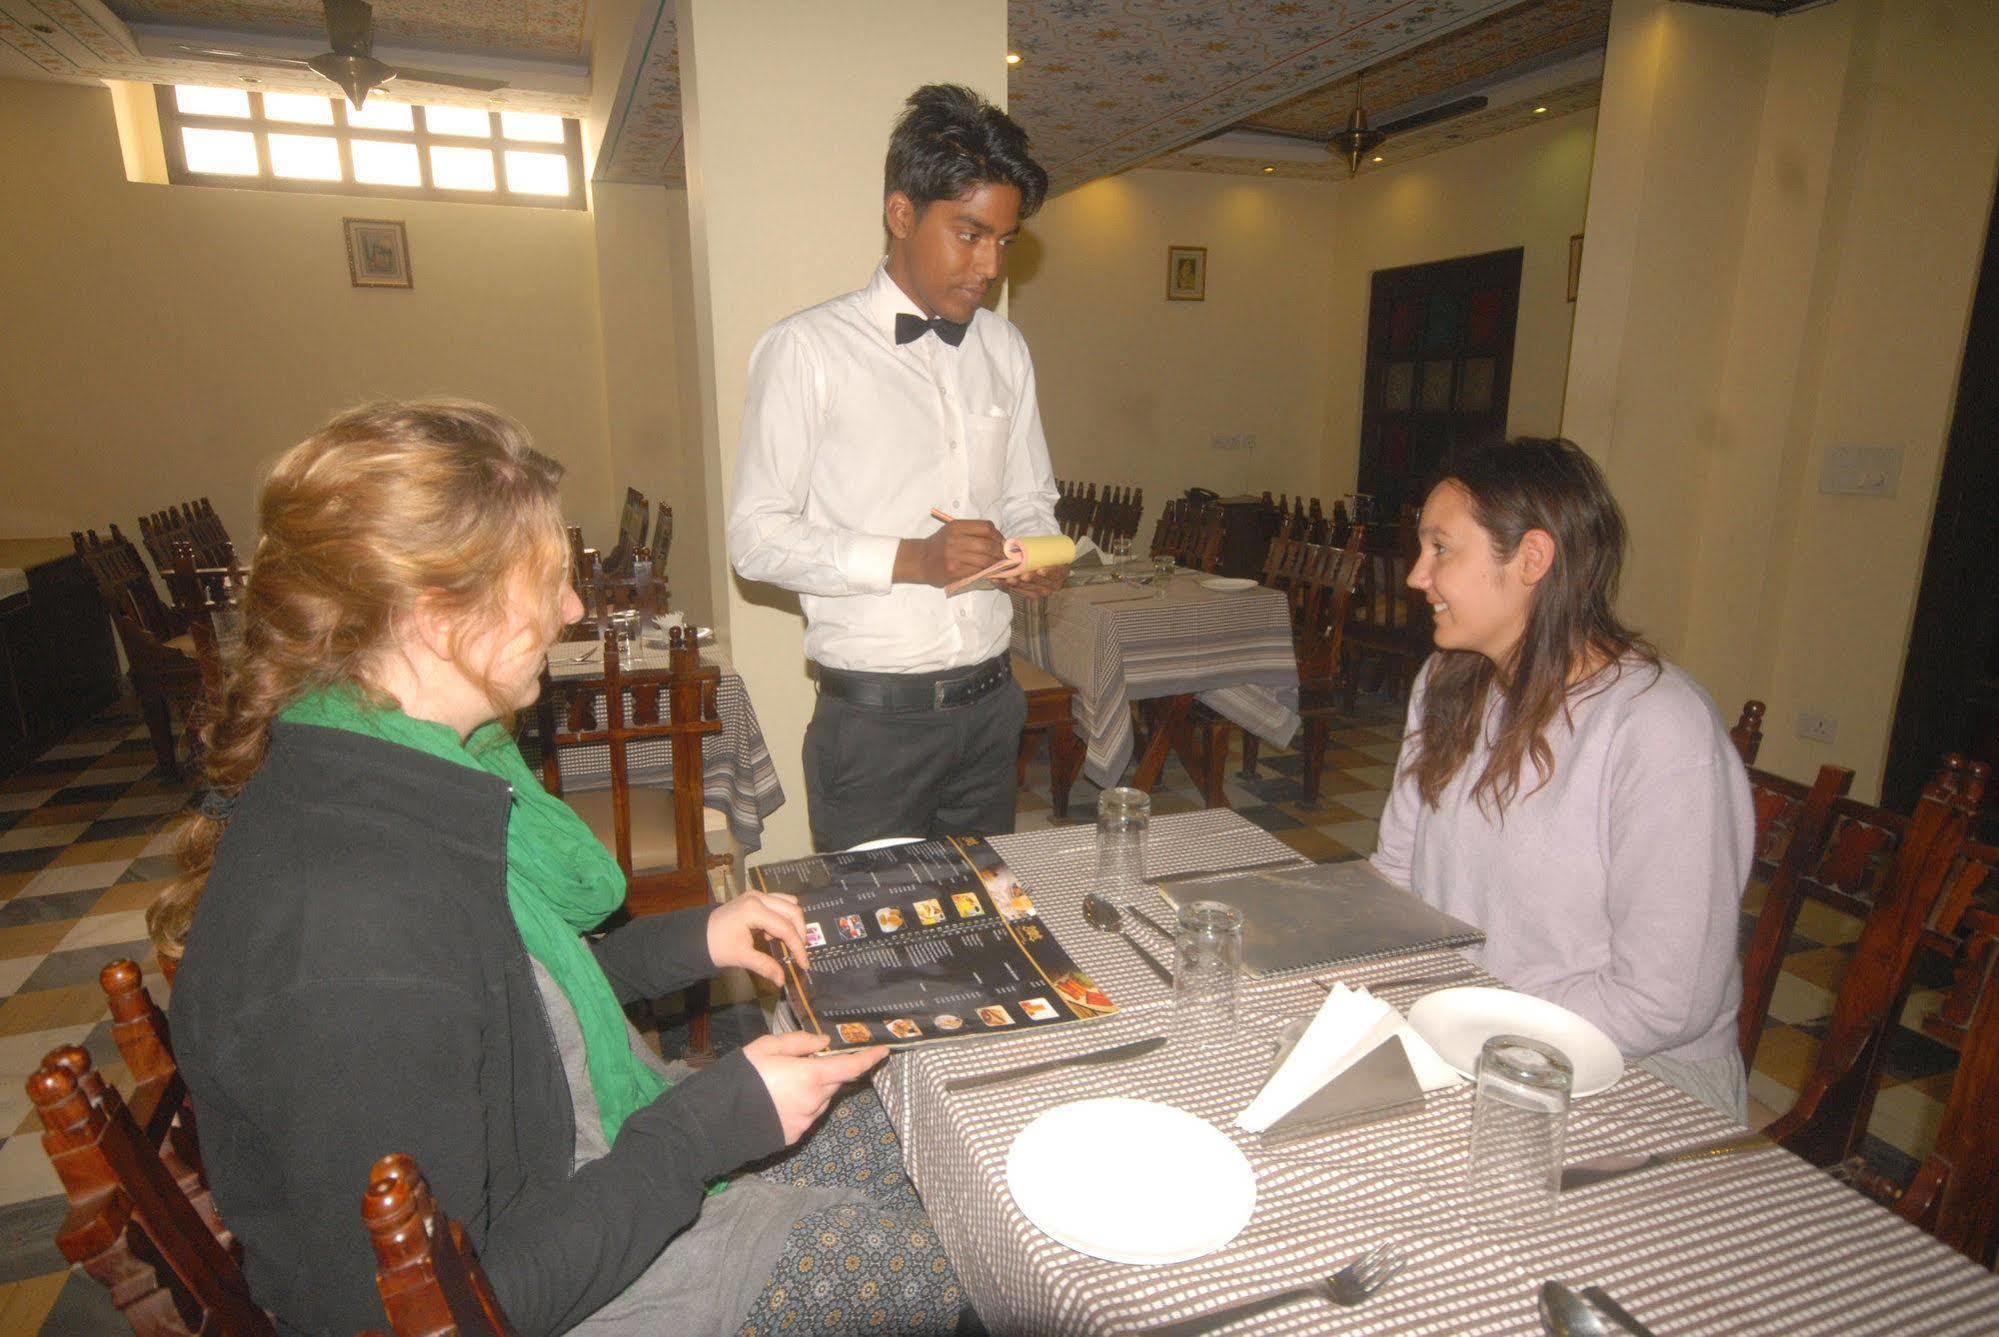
x=1352, y=1285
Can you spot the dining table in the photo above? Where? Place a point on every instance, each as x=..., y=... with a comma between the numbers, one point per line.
x=1760, y=1242
x=1224, y=643
x=738, y=776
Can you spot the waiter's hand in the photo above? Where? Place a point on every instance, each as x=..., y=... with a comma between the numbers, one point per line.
x=1036, y=584
x=961, y=548
x=730, y=938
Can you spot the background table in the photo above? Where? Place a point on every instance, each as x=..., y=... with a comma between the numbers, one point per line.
x=1116, y=644
x=1761, y=1243
x=737, y=774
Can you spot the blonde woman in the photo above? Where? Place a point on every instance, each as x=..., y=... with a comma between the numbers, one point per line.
x=380, y=933
x=1560, y=785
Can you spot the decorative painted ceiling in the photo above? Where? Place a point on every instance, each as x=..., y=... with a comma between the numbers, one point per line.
x=1103, y=85
x=532, y=27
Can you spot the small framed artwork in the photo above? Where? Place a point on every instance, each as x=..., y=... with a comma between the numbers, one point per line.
x=1186, y=273
x=378, y=253
x=1575, y=264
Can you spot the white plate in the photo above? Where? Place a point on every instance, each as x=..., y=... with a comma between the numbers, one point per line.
x=1226, y=583
x=1131, y=1181
x=1458, y=1022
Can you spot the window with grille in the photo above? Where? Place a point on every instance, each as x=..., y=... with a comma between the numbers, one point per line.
x=303, y=142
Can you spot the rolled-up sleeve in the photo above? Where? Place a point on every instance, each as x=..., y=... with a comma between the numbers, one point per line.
x=770, y=537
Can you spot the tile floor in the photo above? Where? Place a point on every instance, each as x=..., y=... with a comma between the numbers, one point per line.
x=82, y=852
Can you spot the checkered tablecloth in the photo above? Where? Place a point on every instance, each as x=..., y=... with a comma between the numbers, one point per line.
x=1115, y=644
x=737, y=774
x=1761, y=1243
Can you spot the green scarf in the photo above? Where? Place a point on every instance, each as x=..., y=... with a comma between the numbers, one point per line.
x=560, y=882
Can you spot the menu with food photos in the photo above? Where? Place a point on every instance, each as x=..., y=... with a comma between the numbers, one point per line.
x=916, y=943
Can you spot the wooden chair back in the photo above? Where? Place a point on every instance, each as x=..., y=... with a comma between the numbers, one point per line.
x=164, y=674
x=141, y=1219
x=194, y=523
x=1283, y=563
x=632, y=522
x=1319, y=617
x=662, y=536
x=429, y=1277
x=1388, y=623
x=1898, y=894
x=1961, y=930
x=1169, y=534
x=641, y=589
x=1791, y=825
x=123, y=581
x=676, y=703
x=1204, y=544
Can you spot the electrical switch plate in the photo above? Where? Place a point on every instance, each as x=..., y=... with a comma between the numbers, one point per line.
x=1861, y=471
x=1819, y=728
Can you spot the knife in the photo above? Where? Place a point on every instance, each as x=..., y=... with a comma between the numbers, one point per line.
x=1584, y=1173
x=1599, y=1297
x=1116, y=1054
x=1294, y=861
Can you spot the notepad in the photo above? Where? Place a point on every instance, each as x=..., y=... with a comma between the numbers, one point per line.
x=1322, y=914
x=1022, y=556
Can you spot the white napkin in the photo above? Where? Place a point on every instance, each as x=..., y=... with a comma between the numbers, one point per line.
x=1349, y=1024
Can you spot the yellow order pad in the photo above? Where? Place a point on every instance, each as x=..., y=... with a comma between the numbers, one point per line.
x=1022, y=556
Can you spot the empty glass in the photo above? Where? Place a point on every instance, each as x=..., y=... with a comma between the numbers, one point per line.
x=1519, y=1117
x=1123, y=815
x=1207, y=967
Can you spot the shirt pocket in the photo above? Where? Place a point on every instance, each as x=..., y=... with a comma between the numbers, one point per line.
x=986, y=437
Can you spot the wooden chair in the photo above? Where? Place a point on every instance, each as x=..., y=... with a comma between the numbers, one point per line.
x=165, y=670
x=1791, y=825
x=662, y=537
x=660, y=838
x=194, y=523
x=1830, y=1117
x=1962, y=931
x=1390, y=624
x=1747, y=735
x=141, y=1219
x=1170, y=533
x=1320, y=624
x=632, y=523
x=1050, y=713
x=430, y=1280
x=1954, y=1193
x=1204, y=545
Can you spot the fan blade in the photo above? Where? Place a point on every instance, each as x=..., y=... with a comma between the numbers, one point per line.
x=350, y=26
x=1439, y=113
x=236, y=57
x=411, y=76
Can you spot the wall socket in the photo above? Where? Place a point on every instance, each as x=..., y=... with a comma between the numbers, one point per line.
x=1234, y=441
x=1818, y=728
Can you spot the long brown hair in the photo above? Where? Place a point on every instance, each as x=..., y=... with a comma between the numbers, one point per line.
x=1551, y=485
x=387, y=505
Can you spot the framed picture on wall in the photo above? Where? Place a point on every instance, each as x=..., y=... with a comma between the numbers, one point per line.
x=378, y=253
x=1186, y=273
x=1575, y=264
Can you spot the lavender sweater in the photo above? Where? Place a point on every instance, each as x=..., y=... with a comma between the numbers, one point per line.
x=1614, y=890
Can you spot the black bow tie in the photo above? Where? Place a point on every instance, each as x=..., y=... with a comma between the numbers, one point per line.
x=909, y=328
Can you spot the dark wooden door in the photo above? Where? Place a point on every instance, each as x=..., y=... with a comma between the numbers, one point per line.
x=1949, y=700
x=1439, y=365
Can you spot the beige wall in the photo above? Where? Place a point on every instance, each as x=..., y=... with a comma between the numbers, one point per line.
x=642, y=282
x=1526, y=189
x=1134, y=388
x=163, y=342
x=1800, y=284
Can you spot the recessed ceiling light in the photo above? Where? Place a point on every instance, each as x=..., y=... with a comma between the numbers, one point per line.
x=1540, y=111
x=1013, y=57
x=251, y=79
x=1375, y=158
x=1268, y=170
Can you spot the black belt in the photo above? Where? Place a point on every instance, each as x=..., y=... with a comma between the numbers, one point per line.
x=947, y=690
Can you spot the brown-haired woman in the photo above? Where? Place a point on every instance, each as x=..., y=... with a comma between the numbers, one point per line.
x=381, y=922
x=1561, y=786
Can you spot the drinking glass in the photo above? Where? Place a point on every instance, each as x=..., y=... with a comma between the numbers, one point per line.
x=1122, y=818
x=1120, y=550
x=1162, y=573
x=624, y=626
x=1207, y=966
x=1520, y=1114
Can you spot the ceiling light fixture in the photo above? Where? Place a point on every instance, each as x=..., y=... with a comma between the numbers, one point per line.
x=1540, y=111
x=1013, y=57
x=1375, y=158
x=1267, y=170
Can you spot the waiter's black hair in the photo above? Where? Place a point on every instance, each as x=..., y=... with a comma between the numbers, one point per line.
x=950, y=141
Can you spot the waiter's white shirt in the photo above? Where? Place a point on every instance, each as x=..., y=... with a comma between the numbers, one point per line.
x=848, y=442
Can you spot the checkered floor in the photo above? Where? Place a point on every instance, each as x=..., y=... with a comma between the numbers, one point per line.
x=82, y=853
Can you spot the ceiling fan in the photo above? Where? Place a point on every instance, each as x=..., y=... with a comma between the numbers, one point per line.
x=350, y=28
x=1359, y=138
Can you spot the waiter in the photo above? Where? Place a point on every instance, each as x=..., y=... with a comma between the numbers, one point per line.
x=864, y=415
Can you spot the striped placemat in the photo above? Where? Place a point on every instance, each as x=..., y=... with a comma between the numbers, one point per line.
x=1760, y=1243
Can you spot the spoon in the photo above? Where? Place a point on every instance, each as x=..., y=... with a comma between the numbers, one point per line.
x=1100, y=914
x=1566, y=1314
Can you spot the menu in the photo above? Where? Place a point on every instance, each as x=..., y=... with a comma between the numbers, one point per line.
x=924, y=942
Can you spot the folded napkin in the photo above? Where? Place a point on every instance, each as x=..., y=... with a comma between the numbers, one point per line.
x=1348, y=1027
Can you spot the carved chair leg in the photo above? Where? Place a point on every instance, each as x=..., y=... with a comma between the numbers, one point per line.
x=1312, y=756
x=160, y=728
x=1250, y=746
x=1065, y=763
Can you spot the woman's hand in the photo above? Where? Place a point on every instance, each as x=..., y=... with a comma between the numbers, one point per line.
x=732, y=943
x=802, y=1086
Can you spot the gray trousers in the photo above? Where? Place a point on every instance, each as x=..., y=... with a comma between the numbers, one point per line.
x=874, y=773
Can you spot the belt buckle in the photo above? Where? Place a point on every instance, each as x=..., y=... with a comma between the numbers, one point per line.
x=937, y=695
